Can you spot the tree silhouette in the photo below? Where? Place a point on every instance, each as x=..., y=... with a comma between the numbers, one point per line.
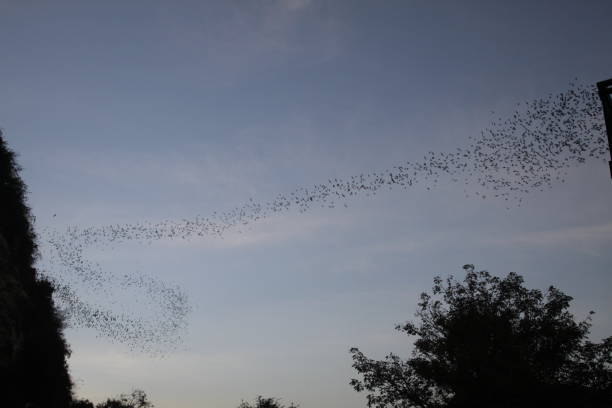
x=137, y=399
x=82, y=403
x=491, y=342
x=262, y=402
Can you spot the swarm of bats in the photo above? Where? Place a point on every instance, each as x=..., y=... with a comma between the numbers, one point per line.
x=530, y=150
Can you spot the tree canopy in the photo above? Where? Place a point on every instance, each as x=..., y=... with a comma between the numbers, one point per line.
x=262, y=402
x=491, y=342
x=136, y=399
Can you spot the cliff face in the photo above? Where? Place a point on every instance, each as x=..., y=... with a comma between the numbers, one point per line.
x=33, y=352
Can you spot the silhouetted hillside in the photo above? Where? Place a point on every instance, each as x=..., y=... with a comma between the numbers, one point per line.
x=33, y=352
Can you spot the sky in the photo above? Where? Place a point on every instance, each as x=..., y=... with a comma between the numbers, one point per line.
x=131, y=111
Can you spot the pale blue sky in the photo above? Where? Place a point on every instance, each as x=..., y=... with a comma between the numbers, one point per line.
x=143, y=110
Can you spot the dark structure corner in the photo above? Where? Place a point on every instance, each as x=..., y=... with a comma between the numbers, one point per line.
x=605, y=93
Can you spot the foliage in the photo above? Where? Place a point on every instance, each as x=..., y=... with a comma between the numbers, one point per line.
x=491, y=342
x=137, y=399
x=262, y=402
x=84, y=403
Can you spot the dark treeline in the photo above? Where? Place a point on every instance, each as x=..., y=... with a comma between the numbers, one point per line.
x=137, y=399
x=261, y=402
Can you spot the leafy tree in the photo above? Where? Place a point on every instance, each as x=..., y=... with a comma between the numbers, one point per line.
x=84, y=403
x=491, y=342
x=137, y=399
x=262, y=402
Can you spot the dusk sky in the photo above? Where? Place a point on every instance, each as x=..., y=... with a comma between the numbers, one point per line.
x=141, y=111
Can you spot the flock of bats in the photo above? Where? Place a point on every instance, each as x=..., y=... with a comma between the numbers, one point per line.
x=532, y=149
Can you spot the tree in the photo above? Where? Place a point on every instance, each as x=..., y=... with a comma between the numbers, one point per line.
x=491, y=342
x=81, y=403
x=137, y=399
x=262, y=402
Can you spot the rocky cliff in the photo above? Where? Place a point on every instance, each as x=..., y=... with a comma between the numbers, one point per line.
x=33, y=352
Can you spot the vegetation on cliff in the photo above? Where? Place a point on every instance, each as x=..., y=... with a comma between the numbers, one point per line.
x=33, y=351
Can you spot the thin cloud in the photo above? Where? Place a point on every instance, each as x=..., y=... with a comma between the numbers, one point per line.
x=252, y=35
x=295, y=4
x=583, y=237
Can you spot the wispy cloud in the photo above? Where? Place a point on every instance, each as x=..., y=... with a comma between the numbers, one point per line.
x=251, y=35
x=583, y=238
x=295, y=4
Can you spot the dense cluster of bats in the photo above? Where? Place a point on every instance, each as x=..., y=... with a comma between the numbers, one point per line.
x=532, y=149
